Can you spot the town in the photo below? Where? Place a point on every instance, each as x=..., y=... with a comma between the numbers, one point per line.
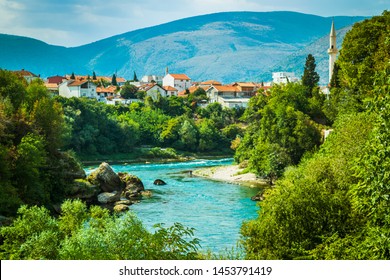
x=117, y=90
x=112, y=90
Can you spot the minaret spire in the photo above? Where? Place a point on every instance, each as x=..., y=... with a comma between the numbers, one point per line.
x=332, y=51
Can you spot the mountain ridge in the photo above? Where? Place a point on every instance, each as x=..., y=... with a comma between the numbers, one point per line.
x=227, y=46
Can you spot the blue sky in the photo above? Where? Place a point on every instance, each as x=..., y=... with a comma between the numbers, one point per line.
x=75, y=22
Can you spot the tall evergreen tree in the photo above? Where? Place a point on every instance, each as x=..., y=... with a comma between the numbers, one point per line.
x=335, y=81
x=310, y=77
x=113, y=80
x=72, y=76
x=135, y=79
x=94, y=76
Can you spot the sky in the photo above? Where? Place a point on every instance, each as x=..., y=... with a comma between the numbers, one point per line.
x=74, y=22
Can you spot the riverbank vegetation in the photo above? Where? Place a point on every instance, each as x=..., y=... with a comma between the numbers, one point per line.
x=82, y=233
x=333, y=204
x=329, y=199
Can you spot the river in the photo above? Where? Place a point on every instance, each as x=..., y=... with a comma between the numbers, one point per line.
x=215, y=209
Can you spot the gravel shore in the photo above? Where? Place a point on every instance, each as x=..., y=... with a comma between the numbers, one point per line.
x=231, y=174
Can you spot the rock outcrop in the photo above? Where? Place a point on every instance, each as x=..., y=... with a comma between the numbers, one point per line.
x=110, y=190
x=133, y=186
x=106, y=179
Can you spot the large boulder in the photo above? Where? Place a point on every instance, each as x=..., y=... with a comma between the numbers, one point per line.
x=106, y=179
x=83, y=190
x=133, y=186
x=109, y=197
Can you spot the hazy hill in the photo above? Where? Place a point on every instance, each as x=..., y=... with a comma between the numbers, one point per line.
x=225, y=46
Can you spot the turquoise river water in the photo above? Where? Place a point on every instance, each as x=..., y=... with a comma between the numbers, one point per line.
x=215, y=209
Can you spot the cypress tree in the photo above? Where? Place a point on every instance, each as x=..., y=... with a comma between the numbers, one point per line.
x=135, y=79
x=310, y=77
x=113, y=81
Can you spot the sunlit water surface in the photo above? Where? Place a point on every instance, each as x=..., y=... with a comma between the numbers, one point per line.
x=215, y=209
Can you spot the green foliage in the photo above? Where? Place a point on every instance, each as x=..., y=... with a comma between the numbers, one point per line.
x=113, y=80
x=311, y=203
x=12, y=88
x=278, y=122
x=310, y=77
x=129, y=91
x=33, y=235
x=335, y=204
x=92, y=234
x=365, y=52
x=32, y=130
x=189, y=135
x=209, y=136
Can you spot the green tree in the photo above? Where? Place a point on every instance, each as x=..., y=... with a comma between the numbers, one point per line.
x=113, y=80
x=12, y=88
x=135, y=79
x=189, y=135
x=364, y=53
x=94, y=76
x=210, y=137
x=129, y=91
x=310, y=77
x=269, y=161
x=31, y=157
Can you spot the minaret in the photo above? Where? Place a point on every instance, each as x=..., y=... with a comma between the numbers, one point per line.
x=332, y=51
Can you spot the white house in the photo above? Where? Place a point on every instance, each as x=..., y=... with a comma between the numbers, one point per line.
x=284, y=77
x=147, y=79
x=178, y=81
x=71, y=88
x=153, y=90
x=171, y=91
x=228, y=96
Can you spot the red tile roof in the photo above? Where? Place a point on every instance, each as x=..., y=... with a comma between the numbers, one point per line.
x=226, y=88
x=169, y=88
x=211, y=82
x=25, y=73
x=180, y=76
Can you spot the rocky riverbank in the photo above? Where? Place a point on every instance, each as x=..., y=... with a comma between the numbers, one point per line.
x=108, y=189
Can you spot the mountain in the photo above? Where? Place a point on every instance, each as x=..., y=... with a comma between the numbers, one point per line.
x=232, y=46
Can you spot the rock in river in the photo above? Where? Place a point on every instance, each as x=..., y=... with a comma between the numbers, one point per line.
x=133, y=186
x=105, y=178
x=159, y=182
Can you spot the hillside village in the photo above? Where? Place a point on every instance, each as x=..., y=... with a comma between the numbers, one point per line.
x=109, y=89
x=112, y=90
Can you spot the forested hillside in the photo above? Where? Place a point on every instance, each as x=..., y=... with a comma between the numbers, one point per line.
x=333, y=204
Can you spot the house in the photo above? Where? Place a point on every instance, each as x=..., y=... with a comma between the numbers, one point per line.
x=105, y=79
x=55, y=79
x=153, y=90
x=171, y=91
x=52, y=88
x=228, y=96
x=246, y=89
x=27, y=75
x=284, y=77
x=178, y=81
x=104, y=92
x=116, y=100
x=210, y=83
x=72, y=88
x=147, y=79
